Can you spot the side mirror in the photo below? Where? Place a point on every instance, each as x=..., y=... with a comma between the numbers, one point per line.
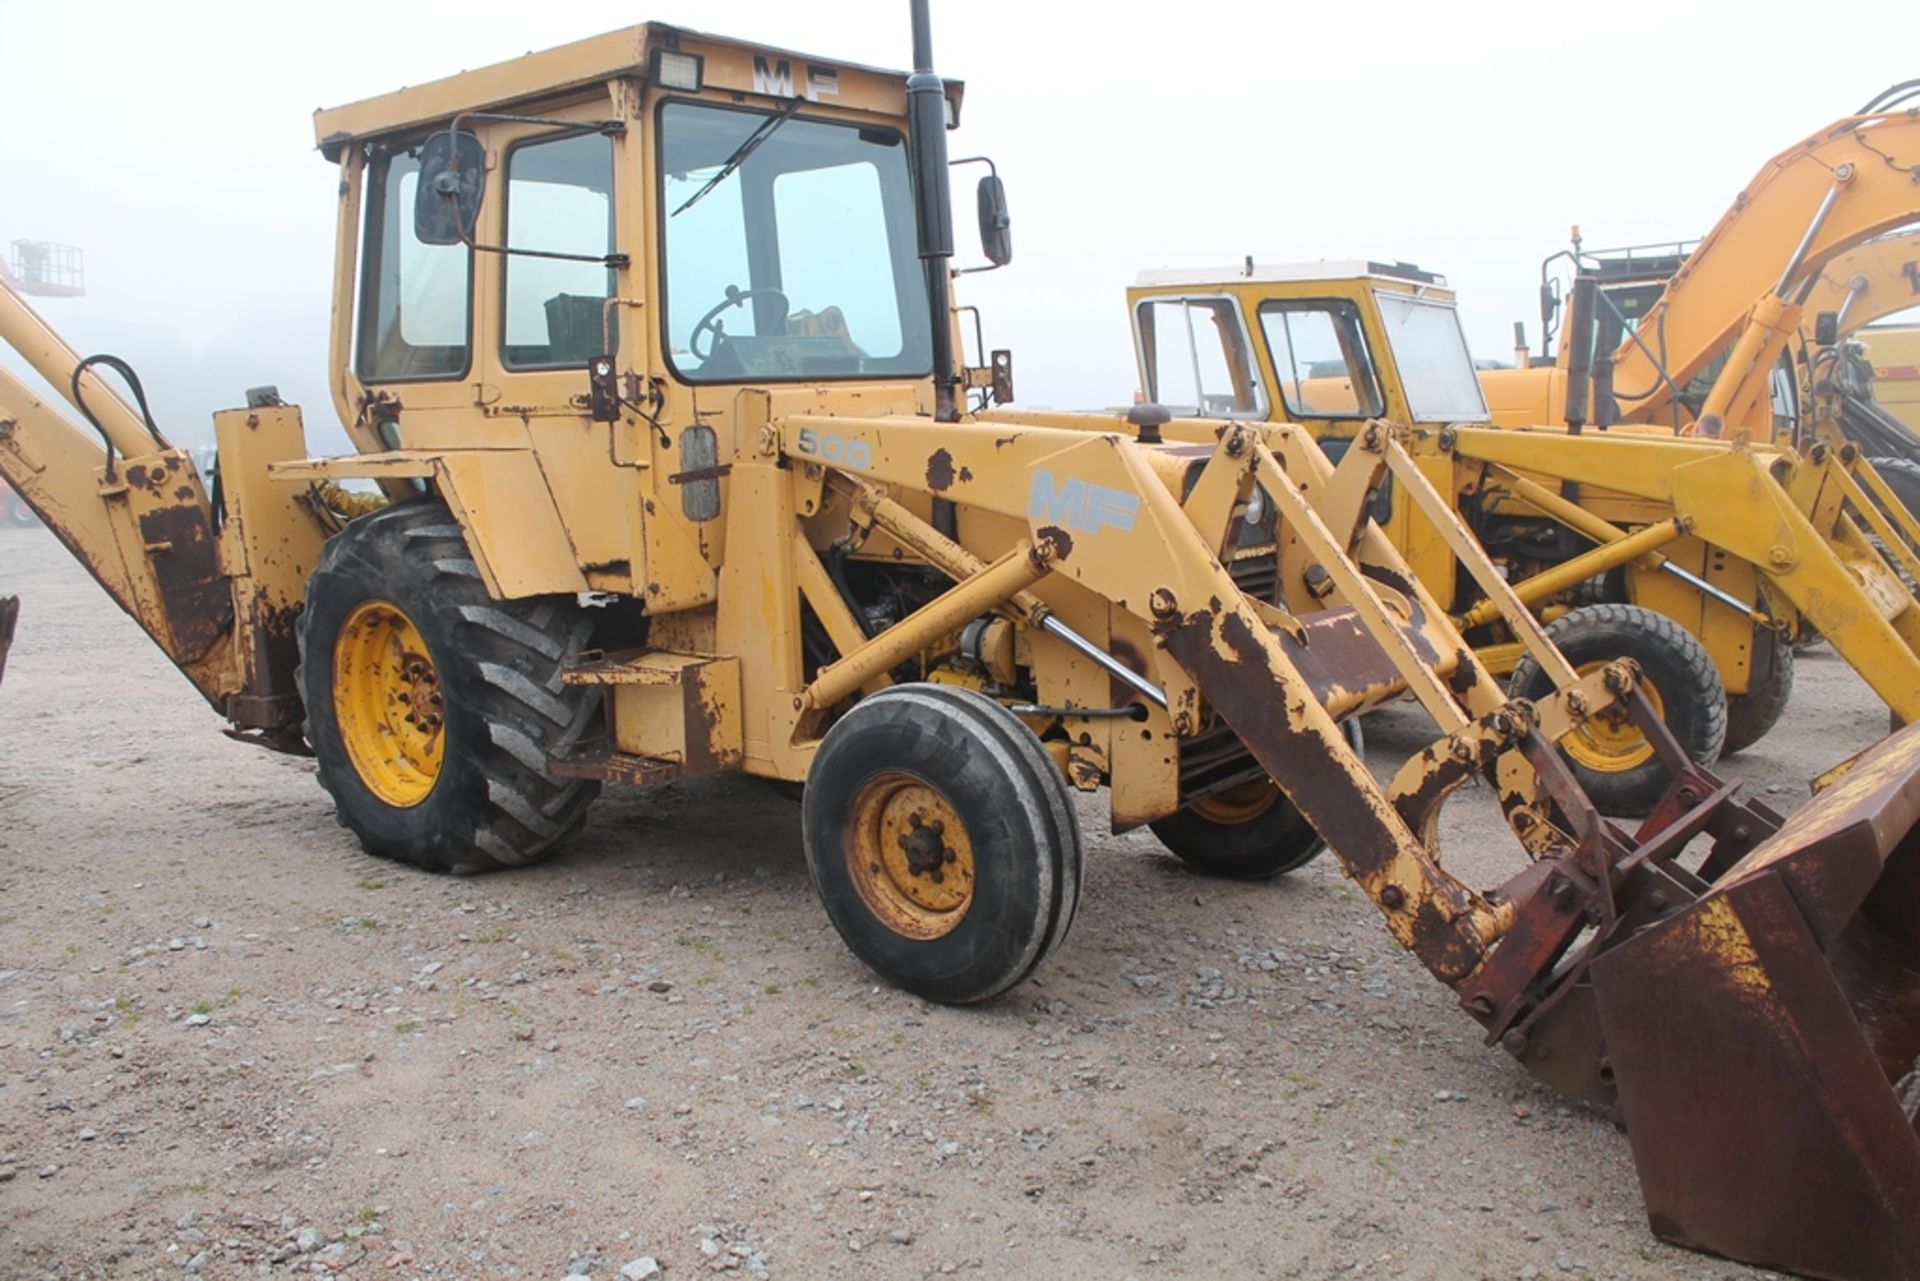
x=453, y=173
x=1826, y=329
x=996, y=224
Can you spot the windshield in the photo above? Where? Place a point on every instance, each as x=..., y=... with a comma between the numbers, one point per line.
x=789, y=248
x=1431, y=353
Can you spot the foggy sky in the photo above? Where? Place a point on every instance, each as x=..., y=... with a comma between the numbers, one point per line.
x=175, y=145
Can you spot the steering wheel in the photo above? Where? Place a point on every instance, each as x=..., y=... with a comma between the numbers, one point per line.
x=710, y=323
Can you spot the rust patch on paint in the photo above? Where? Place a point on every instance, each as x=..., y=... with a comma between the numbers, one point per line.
x=1055, y=542
x=940, y=471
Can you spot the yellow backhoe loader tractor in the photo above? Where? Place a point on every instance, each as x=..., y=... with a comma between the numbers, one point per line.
x=1858, y=289
x=1889, y=360
x=1864, y=380
x=1696, y=558
x=648, y=342
x=1715, y=354
x=1737, y=298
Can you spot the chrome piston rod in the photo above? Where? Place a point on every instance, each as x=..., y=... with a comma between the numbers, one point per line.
x=1114, y=667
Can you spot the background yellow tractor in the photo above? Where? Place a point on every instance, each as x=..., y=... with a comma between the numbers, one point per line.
x=648, y=343
x=1689, y=555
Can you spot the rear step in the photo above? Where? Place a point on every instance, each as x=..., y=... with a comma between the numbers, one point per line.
x=669, y=715
x=604, y=765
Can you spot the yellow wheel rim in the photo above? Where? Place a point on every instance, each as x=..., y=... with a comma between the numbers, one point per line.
x=1239, y=804
x=909, y=856
x=386, y=697
x=1611, y=743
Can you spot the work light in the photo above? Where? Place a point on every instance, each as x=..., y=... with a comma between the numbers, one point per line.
x=674, y=70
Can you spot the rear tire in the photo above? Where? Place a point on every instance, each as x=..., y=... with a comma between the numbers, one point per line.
x=1751, y=716
x=942, y=841
x=1612, y=760
x=1247, y=833
x=397, y=620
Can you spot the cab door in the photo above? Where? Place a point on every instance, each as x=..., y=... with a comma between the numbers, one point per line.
x=477, y=350
x=552, y=304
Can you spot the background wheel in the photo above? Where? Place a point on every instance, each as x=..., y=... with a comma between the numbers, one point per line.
x=1750, y=716
x=431, y=707
x=1903, y=478
x=942, y=841
x=1251, y=832
x=1611, y=758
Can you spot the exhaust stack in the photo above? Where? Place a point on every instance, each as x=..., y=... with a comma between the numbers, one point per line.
x=927, y=130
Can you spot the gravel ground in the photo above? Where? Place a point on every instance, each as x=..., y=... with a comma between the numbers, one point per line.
x=232, y=1044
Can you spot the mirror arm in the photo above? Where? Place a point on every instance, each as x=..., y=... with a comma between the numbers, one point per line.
x=993, y=172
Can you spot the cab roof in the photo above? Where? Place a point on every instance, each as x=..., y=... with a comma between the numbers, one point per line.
x=735, y=65
x=1250, y=272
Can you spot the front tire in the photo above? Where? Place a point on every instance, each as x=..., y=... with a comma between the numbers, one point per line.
x=942, y=841
x=1611, y=758
x=432, y=708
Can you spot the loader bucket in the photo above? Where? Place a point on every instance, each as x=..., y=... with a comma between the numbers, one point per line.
x=1763, y=1041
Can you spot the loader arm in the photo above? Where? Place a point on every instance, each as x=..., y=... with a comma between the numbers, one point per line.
x=1797, y=521
x=1144, y=528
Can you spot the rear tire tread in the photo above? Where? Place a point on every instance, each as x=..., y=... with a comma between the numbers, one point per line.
x=512, y=653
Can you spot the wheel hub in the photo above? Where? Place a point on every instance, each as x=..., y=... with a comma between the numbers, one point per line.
x=1610, y=743
x=926, y=853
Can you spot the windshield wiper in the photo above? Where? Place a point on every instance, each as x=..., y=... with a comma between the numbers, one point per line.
x=746, y=148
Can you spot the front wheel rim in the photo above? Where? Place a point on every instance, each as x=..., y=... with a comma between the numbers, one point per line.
x=387, y=701
x=909, y=856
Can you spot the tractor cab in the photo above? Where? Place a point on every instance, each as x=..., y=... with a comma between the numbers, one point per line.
x=557, y=277
x=1327, y=345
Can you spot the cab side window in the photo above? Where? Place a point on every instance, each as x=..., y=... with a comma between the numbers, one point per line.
x=416, y=300
x=559, y=201
x=1320, y=359
x=1194, y=357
